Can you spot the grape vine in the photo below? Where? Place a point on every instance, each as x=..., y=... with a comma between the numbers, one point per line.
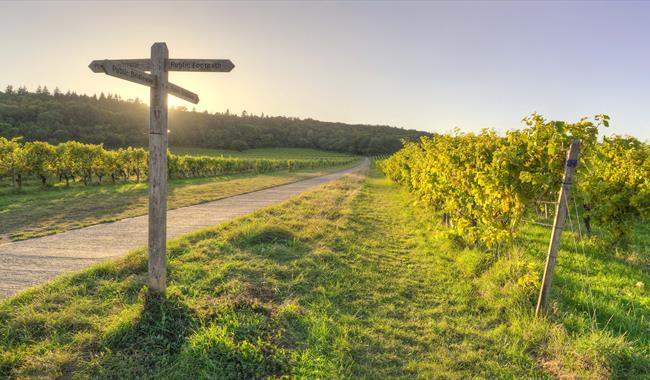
x=89, y=163
x=484, y=184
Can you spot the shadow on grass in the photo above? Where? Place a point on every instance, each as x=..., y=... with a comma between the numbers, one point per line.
x=602, y=301
x=41, y=214
x=150, y=341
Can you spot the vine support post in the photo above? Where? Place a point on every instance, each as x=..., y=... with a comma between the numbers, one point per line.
x=558, y=224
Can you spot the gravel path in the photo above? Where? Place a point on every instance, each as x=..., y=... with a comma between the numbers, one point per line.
x=30, y=262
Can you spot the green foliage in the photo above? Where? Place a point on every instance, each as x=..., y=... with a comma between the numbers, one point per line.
x=484, y=184
x=72, y=159
x=39, y=159
x=116, y=123
x=10, y=157
x=616, y=186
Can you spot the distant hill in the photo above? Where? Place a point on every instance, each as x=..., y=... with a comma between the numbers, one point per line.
x=56, y=117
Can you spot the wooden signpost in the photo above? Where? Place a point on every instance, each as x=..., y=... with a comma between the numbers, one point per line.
x=158, y=66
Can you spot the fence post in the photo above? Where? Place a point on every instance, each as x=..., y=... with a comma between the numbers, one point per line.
x=558, y=224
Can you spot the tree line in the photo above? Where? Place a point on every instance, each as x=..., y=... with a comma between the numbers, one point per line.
x=485, y=184
x=91, y=163
x=55, y=117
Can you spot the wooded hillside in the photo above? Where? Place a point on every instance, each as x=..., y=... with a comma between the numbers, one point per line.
x=57, y=117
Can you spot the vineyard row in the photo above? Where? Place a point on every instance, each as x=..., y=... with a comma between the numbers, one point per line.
x=485, y=184
x=71, y=161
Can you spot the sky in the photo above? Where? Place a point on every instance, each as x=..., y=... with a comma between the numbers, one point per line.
x=429, y=66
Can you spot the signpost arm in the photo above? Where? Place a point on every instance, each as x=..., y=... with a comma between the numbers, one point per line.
x=158, y=171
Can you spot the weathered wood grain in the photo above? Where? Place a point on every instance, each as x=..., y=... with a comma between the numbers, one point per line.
x=158, y=171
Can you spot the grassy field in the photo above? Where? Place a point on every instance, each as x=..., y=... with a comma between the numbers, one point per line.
x=351, y=281
x=270, y=153
x=35, y=212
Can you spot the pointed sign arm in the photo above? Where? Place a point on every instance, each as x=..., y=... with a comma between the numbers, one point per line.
x=121, y=71
x=182, y=93
x=214, y=65
x=143, y=64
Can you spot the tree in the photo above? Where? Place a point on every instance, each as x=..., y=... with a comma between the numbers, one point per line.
x=117, y=123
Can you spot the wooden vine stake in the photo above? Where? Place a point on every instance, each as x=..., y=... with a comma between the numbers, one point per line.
x=158, y=66
x=558, y=224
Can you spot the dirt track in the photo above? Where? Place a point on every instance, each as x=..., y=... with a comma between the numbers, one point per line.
x=30, y=262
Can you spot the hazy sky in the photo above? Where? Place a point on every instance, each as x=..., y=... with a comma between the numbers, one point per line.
x=429, y=66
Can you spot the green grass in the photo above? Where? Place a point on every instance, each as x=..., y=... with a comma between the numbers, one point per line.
x=351, y=281
x=37, y=212
x=270, y=153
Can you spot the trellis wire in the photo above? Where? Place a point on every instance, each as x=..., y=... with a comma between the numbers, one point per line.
x=591, y=310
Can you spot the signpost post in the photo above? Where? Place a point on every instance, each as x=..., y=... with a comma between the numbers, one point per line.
x=135, y=70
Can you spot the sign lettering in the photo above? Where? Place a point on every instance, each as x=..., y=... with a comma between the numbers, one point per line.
x=213, y=65
x=128, y=73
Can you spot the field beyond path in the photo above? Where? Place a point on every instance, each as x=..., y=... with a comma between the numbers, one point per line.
x=33, y=261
